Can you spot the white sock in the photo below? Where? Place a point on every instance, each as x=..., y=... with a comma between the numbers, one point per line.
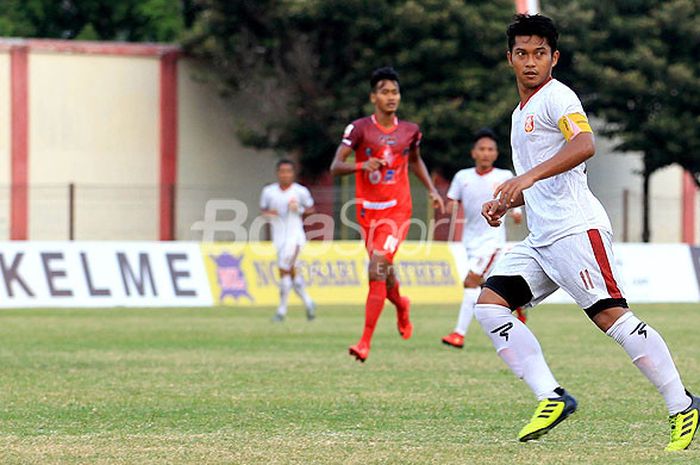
x=285, y=287
x=518, y=347
x=301, y=291
x=650, y=354
x=466, y=311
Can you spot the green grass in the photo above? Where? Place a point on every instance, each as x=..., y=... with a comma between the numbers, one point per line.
x=226, y=386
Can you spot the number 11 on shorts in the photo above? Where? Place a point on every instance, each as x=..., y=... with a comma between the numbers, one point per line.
x=586, y=278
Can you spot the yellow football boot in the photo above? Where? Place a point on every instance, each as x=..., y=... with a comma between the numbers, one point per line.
x=684, y=425
x=549, y=413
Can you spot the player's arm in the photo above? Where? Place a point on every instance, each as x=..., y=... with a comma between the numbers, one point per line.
x=421, y=171
x=307, y=203
x=451, y=206
x=579, y=148
x=341, y=167
x=265, y=209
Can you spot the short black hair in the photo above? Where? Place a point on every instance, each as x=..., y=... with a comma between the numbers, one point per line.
x=487, y=133
x=532, y=25
x=284, y=161
x=383, y=74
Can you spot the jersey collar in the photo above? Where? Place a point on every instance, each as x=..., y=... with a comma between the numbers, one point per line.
x=547, y=81
x=382, y=128
x=483, y=173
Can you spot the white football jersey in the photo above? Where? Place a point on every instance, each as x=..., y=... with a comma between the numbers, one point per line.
x=473, y=190
x=287, y=226
x=561, y=205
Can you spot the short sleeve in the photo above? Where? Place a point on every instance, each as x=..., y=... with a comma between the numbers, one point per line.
x=563, y=102
x=307, y=201
x=265, y=200
x=417, y=138
x=455, y=191
x=352, y=136
x=566, y=112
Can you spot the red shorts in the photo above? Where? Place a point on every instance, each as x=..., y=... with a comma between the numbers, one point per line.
x=384, y=230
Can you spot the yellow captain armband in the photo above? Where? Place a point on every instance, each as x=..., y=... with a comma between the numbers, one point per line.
x=573, y=124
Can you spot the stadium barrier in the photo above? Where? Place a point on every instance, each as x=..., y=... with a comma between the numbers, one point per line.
x=182, y=274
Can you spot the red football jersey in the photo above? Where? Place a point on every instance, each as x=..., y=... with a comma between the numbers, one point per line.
x=387, y=187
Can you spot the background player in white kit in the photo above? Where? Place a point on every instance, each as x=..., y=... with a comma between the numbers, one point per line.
x=569, y=245
x=285, y=203
x=472, y=187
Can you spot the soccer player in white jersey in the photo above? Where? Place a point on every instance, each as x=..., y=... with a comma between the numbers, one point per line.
x=569, y=245
x=285, y=203
x=472, y=187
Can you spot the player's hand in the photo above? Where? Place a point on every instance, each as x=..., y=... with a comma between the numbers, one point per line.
x=373, y=164
x=438, y=203
x=511, y=190
x=493, y=211
x=294, y=206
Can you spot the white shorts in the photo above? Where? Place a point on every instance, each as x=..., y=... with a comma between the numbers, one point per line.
x=482, y=261
x=581, y=264
x=287, y=255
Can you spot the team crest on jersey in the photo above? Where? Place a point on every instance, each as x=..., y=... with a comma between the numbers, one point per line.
x=529, y=123
x=387, y=140
x=368, y=152
x=375, y=177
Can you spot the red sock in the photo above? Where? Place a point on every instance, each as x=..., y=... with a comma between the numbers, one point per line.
x=373, y=308
x=392, y=293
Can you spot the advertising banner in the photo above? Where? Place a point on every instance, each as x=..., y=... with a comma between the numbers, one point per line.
x=246, y=274
x=652, y=273
x=102, y=274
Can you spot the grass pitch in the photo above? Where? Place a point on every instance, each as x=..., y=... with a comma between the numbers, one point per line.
x=226, y=386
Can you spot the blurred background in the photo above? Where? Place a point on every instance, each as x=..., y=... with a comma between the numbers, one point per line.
x=119, y=120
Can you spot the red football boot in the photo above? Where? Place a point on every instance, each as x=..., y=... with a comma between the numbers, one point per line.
x=360, y=351
x=402, y=318
x=521, y=313
x=455, y=340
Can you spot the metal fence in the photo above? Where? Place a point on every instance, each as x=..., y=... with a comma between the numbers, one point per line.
x=132, y=212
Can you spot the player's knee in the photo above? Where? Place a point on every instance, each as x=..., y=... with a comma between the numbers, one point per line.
x=511, y=290
x=606, y=312
x=378, y=268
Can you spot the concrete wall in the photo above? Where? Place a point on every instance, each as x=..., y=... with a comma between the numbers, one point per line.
x=212, y=163
x=5, y=179
x=666, y=206
x=609, y=175
x=93, y=122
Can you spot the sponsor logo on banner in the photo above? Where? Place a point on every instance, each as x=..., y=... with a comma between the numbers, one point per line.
x=334, y=273
x=230, y=277
x=105, y=274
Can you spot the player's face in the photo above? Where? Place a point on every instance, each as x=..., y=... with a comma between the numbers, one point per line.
x=386, y=96
x=484, y=153
x=532, y=60
x=285, y=174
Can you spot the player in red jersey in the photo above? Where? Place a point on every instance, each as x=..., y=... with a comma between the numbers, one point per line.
x=385, y=148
